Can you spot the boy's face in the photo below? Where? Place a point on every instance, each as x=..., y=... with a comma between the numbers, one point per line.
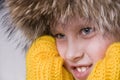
x=81, y=45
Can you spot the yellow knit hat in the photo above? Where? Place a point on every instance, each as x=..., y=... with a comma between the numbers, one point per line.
x=44, y=63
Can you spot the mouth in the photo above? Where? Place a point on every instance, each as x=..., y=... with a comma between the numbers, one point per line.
x=82, y=71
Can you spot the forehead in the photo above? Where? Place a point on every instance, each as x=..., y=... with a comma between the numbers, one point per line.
x=73, y=23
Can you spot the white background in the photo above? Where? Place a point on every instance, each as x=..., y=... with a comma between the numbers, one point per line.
x=12, y=60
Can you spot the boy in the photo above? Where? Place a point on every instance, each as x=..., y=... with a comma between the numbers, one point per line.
x=83, y=29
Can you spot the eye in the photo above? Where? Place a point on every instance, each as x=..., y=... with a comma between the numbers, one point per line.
x=59, y=36
x=87, y=31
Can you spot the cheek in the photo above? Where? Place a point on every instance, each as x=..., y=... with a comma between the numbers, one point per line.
x=96, y=49
x=61, y=49
x=96, y=53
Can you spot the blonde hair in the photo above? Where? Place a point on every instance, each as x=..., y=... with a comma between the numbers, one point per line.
x=37, y=15
x=106, y=13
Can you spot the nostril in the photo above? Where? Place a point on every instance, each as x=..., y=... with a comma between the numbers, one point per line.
x=77, y=58
x=74, y=57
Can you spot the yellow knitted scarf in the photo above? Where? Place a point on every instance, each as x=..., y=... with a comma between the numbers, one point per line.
x=44, y=63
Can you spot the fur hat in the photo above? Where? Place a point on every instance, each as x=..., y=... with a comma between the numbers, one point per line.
x=32, y=16
x=35, y=17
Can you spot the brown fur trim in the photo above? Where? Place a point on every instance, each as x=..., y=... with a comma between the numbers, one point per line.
x=35, y=16
x=32, y=16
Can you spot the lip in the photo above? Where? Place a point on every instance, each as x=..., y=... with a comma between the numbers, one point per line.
x=81, y=75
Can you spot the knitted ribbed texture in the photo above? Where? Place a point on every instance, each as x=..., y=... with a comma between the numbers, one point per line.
x=43, y=61
x=109, y=67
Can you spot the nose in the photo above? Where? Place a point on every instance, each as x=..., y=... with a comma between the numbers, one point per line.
x=74, y=51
